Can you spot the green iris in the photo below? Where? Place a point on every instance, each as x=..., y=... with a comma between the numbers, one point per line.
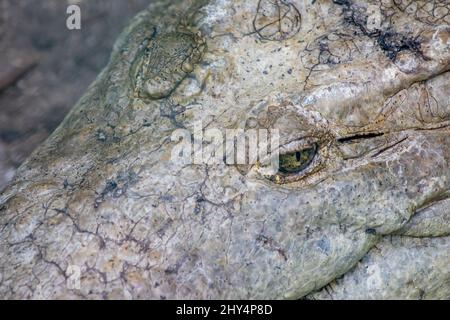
x=297, y=161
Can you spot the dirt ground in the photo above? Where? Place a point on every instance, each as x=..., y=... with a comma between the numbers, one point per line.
x=45, y=68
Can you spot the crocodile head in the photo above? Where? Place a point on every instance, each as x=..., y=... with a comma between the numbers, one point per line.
x=137, y=197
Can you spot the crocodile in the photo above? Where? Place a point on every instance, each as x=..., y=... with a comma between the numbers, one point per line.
x=358, y=208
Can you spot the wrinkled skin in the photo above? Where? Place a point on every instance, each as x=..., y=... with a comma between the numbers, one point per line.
x=368, y=218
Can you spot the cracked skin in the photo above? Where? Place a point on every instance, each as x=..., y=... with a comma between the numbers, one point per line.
x=366, y=218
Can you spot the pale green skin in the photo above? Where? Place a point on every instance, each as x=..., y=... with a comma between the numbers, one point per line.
x=101, y=193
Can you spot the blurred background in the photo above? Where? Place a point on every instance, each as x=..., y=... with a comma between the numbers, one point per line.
x=45, y=68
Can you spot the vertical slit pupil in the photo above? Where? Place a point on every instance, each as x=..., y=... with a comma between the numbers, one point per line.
x=298, y=155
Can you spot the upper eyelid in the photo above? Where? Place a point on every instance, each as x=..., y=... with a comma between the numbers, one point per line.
x=293, y=146
x=298, y=145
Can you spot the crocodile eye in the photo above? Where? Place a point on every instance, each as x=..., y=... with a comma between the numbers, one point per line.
x=297, y=161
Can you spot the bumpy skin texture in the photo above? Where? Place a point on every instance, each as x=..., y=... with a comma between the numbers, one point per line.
x=367, y=82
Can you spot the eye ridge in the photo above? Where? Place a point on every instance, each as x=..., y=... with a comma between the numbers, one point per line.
x=297, y=161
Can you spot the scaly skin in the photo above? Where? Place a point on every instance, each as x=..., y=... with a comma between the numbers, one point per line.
x=366, y=83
